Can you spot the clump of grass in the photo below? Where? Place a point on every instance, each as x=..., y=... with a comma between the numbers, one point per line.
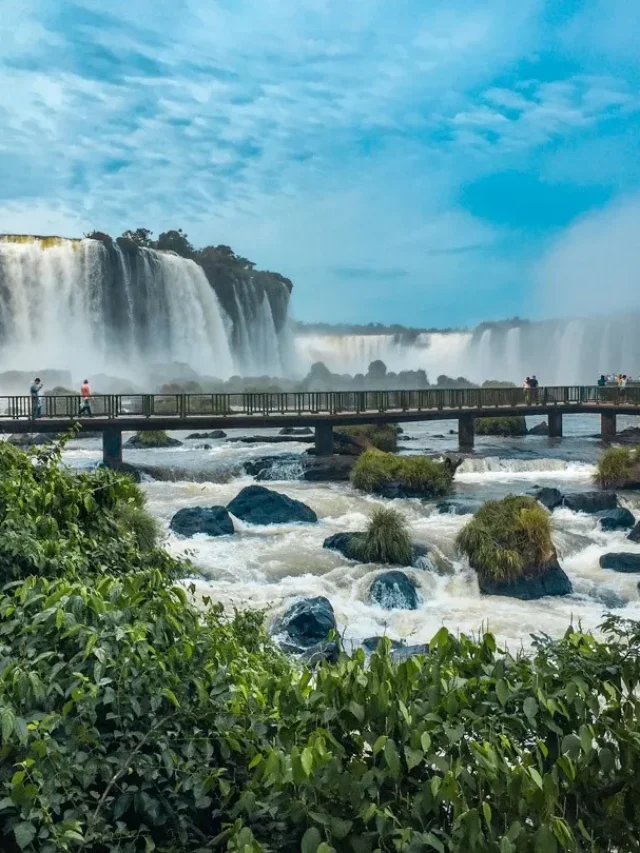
x=387, y=540
x=142, y=525
x=507, y=539
x=152, y=438
x=374, y=469
x=616, y=465
x=501, y=426
x=381, y=436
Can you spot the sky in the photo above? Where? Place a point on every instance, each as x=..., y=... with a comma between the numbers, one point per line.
x=408, y=161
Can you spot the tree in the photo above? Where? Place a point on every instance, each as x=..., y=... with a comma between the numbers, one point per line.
x=140, y=237
x=377, y=371
x=175, y=241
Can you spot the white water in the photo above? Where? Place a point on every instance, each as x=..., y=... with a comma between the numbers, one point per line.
x=559, y=353
x=268, y=567
x=76, y=305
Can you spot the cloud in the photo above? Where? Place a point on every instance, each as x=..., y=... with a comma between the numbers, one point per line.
x=370, y=274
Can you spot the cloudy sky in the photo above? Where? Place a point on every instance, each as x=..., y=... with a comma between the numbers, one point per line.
x=413, y=161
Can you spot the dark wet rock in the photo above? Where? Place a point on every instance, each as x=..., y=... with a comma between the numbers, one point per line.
x=313, y=469
x=347, y=545
x=296, y=431
x=394, y=591
x=551, y=498
x=271, y=439
x=634, y=536
x=621, y=562
x=213, y=520
x=552, y=580
x=160, y=441
x=258, y=505
x=617, y=519
x=609, y=598
x=327, y=469
x=29, y=439
x=540, y=429
x=459, y=506
x=370, y=644
x=305, y=624
x=631, y=436
x=591, y=502
x=403, y=652
x=215, y=434
x=86, y=433
x=203, y=447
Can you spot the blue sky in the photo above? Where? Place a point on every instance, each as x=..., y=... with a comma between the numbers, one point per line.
x=428, y=163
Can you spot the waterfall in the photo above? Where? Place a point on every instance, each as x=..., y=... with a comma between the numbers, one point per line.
x=94, y=308
x=559, y=352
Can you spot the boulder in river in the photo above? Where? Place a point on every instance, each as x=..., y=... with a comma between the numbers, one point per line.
x=258, y=505
x=621, y=562
x=591, y=502
x=551, y=498
x=313, y=469
x=617, y=519
x=540, y=429
x=151, y=439
x=212, y=520
x=347, y=544
x=28, y=439
x=296, y=431
x=200, y=436
x=549, y=580
x=305, y=625
x=634, y=536
x=394, y=591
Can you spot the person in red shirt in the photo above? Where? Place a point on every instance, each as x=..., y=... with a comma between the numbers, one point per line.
x=85, y=396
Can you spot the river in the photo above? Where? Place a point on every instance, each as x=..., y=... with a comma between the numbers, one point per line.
x=266, y=567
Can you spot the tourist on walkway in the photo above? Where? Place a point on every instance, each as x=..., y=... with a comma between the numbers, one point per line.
x=602, y=381
x=85, y=395
x=36, y=400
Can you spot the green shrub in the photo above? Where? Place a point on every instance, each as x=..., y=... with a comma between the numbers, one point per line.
x=616, y=465
x=374, y=469
x=381, y=436
x=387, y=540
x=152, y=438
x=501, y=426
x=507, y=538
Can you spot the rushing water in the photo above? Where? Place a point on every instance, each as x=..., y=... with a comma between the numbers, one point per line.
x=266, y=567
x=573, y=352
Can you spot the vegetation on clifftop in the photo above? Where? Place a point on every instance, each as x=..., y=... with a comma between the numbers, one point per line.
x=617, y=465
x=133, y=722
x=508, y=538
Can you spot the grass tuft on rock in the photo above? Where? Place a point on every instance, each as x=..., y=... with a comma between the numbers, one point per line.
x=501, y=426
x=616, y=465
x=507, y=539
x=380, y=436
x=152, y=438
x=374, y=469
x=387, y=539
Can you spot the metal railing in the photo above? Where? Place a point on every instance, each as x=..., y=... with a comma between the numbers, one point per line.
x=183, y=406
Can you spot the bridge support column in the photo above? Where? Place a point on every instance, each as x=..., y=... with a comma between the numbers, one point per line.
x=555, y=424
x=466, y=432
x=112, y=447
x=324, y=439
x=608, y=425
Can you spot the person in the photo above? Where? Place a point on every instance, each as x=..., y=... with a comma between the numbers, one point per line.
x=602, y=381
x=36, y=400
x=534, y=388
x=85, y=396
x=527, y=390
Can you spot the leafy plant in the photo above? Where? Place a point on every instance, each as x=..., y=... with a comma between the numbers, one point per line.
x=386, y=540
x=508, y=538
x=374, y=469
x=616, y=465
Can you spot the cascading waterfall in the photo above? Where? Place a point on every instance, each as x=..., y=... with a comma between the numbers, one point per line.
x=90, y=308
x=572, y=352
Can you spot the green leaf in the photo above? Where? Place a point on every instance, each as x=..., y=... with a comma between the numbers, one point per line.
x=306, y=759
x=502, y=691
x=379, y=744
x=434, y=842
x=24, y=833
x=340, y=828
x=537, y=778
x=325, y=848
x=311, y=840
x=171, y=696
x=357, y=711
x=425, y=741
x=413, y=757
x=586, y=738
x=391, y=757
x=546, y=841
x=486, y=810
x=571, y=746
x=607, y=760
x=530, y=708
x=8, y=723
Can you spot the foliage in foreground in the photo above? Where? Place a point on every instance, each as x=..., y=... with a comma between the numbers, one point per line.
x=616, y=465
x=508, y=538
x=374, y=469
x=386, y=540
x=132, y=721
x=501, y=426
x=381, y=436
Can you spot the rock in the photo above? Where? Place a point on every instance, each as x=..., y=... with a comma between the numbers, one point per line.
x=305, y=624
x=591, y=502
x=621, y=562
x=617, y=519
x=394, y=591
x=199, y=436
x=344, y=543
x=631, y=436
x=405, y=652
x=551, y=581
x=213, y=520
x=294, y=431
x=327, y=469
x=551, y=498
x=634, y=536
x=313, y=469
x=370, y=644
x=26, y=439
x=459, y=506
x=258, y=505
x=203, y=447
x=540, y=429
x=164, y=441
x=271, y=439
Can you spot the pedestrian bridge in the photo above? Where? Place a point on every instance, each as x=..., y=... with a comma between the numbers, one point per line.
x=114, y=414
